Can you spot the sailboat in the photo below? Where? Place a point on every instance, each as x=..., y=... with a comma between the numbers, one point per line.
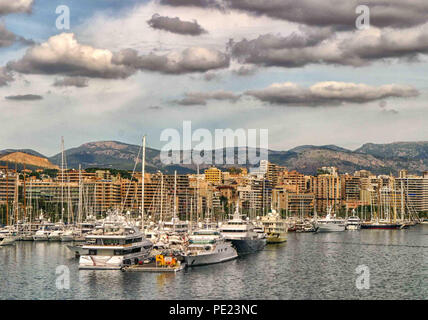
x=175, y=229
x=382, y=218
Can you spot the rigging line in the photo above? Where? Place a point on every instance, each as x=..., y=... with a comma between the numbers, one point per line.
x=129, y=184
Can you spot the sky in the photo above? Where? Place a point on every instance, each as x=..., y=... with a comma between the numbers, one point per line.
x=300, y=69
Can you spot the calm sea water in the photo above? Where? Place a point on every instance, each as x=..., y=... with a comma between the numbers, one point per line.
x=308, y=266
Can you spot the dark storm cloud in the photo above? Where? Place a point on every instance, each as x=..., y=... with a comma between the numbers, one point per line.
x=78, y=82
x=321, y=46
x=187, y=61
x=25, y=97
x=329, y=93
x=340, y=14
x=175, y=25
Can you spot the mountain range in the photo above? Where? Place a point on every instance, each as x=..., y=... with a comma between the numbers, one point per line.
x=377, y=158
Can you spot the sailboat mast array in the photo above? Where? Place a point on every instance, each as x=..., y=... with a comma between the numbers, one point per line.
x=143, y=171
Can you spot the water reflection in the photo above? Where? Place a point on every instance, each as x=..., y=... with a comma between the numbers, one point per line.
x=307, y=266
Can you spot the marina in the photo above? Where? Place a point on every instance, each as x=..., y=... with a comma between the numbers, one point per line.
x=292, y=256
x=307, y=266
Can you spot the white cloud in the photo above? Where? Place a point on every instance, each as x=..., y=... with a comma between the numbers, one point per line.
x=64, y=55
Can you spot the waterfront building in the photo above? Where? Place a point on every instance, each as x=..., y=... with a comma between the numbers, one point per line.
x=415, y=190
x=327, y=191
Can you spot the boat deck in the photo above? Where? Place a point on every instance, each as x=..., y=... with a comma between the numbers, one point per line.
x=152, y=267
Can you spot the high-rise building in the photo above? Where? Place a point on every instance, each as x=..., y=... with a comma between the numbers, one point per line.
x=213, y=175
x=327, y=191
x=415, y=190
x=7, y=185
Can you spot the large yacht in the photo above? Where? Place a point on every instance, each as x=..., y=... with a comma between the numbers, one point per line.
x=353, y=223
x=275, y=227
x=330, y=223
x=114, y=246
x=242, y=235
x=208, y=246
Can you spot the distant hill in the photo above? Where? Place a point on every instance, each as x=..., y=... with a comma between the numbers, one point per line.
x=27, y=151
x=108, y=154
x=27, y=159
x=397, y=150
x=377, y=158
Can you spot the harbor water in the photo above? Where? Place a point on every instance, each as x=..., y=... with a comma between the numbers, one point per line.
x=307, y=266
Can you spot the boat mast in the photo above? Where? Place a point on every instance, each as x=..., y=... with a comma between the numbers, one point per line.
x=25, y=195
x=62, y=179
x=143, y=169
x=197, y=194
x=175, y=193
x=79, y=219
x=15, y=200
x=7, y=196
x=191, y=213
x=402, y=201
x=161, y=204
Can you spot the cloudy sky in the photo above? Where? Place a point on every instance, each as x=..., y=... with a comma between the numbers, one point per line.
x=127, y=68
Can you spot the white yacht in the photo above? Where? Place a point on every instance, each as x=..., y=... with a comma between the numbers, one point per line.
x=208, y=246
x=77, y=233
x=77, y=249
x=44, y=231
x=7, y=236
x=330, y=223
x=242, y=234
x=56, y=232
x=353, y=223
x=175, y=225
x=114, y=246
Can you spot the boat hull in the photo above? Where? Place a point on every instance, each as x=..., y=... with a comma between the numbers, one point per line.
x=40, y=238
x=330, y=227
x=7, y=241
x=77, y=250
x=54, y=238
x=353, y=227
x=245, y=246
x=212, y=258
x=27, y=238
x=382, y=226
x=66, y=238
x=87, y=262
x=277, y=238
